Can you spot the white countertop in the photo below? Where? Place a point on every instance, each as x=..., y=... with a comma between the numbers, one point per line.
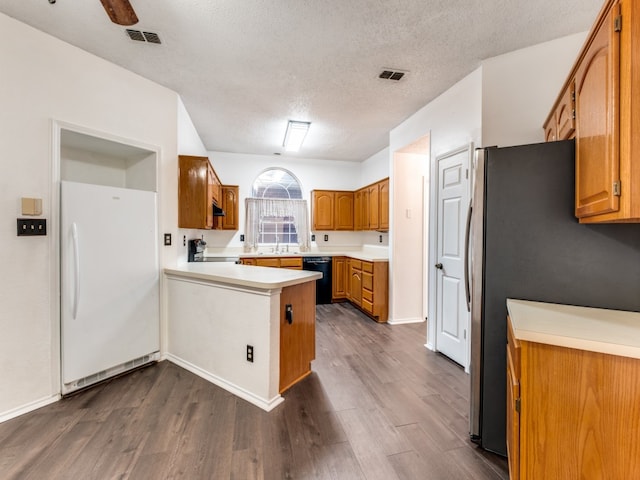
x=614, y=332
x=367, y=254
x=265, y=278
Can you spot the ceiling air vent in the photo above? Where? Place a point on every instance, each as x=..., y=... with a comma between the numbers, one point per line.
x=139, y=36
x=391, y=74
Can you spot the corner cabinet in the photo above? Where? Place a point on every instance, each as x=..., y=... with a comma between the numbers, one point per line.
x=599, y=106
x=366, y=285
x=365, y=209
x=198, y=189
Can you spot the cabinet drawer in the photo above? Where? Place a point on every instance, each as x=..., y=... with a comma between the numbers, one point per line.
x=268, y=262
x=291, y=262
x=367, y=295
x=367, y=267
x=367, y=280
x=366, y=305
x=356, y=264
x=248, y=261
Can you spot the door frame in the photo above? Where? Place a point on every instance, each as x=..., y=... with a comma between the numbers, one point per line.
x=433, y=247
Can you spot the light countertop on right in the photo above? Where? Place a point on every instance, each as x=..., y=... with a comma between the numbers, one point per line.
x=613, y=332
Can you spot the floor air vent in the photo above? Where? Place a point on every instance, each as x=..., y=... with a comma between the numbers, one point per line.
x=68, y=388
x=139, y=36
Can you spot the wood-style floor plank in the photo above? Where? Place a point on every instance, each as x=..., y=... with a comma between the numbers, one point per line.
x=377, y=405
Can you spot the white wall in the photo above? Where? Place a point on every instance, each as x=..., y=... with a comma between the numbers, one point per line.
x=374, y=168
x=453, y=119
x=44, y=79
x=519, y=88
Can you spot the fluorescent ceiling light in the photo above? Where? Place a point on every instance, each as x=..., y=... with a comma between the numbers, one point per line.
x=293, y=138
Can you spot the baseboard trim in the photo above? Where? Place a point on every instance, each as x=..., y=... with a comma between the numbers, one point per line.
x=402, y=321
x=29, y=407
x=263, y=403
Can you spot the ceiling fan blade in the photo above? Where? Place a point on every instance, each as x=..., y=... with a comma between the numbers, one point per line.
x=120, y=12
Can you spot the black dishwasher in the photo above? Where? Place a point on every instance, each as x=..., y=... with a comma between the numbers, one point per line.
x=323, y=285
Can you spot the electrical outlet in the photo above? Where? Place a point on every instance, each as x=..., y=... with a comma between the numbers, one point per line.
x=32, y=226
x=184, y=240
x=242, y=238
x=250, y=353
x=326, y=238
x=380, y=238
x=313, y=238
x=167, y=239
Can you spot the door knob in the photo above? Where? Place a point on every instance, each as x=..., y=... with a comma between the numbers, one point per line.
x=439, y=266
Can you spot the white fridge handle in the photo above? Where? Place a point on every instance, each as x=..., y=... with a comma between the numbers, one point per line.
x=76, y=269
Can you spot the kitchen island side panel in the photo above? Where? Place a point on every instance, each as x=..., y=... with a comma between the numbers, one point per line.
x=209, y=328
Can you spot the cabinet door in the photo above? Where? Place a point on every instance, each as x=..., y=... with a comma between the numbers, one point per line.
x=384, y=205
x=357, y=210
x=347, y=279
x=194, y=193
x=551, y=128
x=365, y=209
x=513, y=417
x=338, y=278
x=565, y=114
x=374, y=207
x=355, y=286
x=322, y=209
x=210, y=200
x=230, y=207
x=343, y=217
x=597, y=116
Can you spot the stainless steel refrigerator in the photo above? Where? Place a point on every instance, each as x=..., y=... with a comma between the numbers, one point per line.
x=525, y=243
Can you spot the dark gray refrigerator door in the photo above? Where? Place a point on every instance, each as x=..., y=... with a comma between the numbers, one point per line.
x=535, y=249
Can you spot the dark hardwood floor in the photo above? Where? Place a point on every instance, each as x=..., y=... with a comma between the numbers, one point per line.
x=377, y=406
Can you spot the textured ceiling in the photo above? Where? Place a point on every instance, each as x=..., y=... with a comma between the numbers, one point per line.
x=244, y=67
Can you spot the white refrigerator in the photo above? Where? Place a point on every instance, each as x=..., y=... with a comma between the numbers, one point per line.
x=110, y=318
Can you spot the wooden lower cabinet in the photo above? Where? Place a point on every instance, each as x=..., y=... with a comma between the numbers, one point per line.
x=297, y=333
x=572, y=413
x=368, y=287
x=294, y=263
x=338, y=278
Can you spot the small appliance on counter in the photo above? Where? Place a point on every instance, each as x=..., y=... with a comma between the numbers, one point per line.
x=196, y=250
x=196, y=253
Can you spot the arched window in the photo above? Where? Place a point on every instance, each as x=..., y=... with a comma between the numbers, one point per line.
x=276, y=214
x=276, y=183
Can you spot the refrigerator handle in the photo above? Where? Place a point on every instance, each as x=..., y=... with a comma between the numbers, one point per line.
x=76, y=269
x=467, y=286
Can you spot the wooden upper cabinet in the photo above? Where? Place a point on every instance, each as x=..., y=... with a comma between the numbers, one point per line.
x=322, y=209
x=196, y=189
x=374, y=207
x=551, y=127
x=343, y=215
x=597, y=140
x=332, y=210
x=605, y=81
x=565, y=114
x=357, y=210
x=230, y=200
x=383, y=192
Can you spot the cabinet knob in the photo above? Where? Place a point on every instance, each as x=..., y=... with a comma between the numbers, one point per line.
x=439, y=266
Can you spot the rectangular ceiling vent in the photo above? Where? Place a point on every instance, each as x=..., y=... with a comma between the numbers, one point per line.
x=139, y=36
x=388, y=74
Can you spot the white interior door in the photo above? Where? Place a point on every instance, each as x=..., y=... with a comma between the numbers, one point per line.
x=452, y=204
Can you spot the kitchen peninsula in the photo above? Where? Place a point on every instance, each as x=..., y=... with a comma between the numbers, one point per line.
x=249, y=330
